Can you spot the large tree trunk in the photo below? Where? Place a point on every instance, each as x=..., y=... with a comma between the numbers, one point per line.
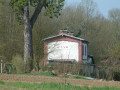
x=28, y=47
x=28, y=25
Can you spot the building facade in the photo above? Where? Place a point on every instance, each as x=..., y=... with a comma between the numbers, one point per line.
x=65, y=47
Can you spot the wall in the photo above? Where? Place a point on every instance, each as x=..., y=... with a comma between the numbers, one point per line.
x=64, y=50
x=62, y=38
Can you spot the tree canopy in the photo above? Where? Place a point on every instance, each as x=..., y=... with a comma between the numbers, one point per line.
x=52, y=8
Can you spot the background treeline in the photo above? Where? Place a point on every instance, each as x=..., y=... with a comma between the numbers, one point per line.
x=84, y=20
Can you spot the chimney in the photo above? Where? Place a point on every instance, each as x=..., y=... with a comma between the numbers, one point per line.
x=66, y=32
x=71, y=33
x=63, y=32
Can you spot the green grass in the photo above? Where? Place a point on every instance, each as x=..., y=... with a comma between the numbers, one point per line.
x=2, y=82
x=41, y=73
x=48, y=86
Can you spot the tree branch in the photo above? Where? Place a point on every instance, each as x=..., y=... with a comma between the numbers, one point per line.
x=36, y=12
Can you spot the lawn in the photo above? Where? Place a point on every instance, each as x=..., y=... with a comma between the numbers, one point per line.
x=47, y=86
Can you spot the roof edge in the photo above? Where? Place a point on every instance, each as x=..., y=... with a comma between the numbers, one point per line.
x=64, y=35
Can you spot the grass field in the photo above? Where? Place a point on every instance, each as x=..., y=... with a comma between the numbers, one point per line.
x=48, y=79
x=50, y=74
x=47, y=86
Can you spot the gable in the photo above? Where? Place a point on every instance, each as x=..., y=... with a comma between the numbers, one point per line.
x=64, y=37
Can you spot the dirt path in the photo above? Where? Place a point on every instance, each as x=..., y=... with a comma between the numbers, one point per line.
x=78, y=82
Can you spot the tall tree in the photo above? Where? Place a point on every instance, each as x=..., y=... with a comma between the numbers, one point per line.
x=89, y=7
x=22, y=8
x=114, y=17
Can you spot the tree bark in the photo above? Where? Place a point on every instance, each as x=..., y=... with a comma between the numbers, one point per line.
x=28, y=44
x=36, y=12
x=28, y=26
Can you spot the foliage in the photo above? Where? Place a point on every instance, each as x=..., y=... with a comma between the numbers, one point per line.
x=10, y=32
x=110, y=68
x=102, y=33
x=115, y=52
x=52, y=7
x=114, y=16
x=18, y=63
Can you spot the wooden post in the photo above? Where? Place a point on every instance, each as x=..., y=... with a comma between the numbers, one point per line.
x=1, y=65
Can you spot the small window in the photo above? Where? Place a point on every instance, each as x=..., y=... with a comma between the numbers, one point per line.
x=83, y=50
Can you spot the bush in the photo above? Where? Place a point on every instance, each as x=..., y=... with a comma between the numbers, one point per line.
x=116, y=76
x=110, y=68
x=18, y=63
x=44, y=68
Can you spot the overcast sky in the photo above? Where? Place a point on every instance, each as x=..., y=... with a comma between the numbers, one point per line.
x=103, y=5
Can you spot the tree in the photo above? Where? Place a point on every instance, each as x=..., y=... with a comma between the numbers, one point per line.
x=43, y=28
x=86, y=22
x=114, y=16
x=89, y=7
x=11, y=41
x=22, y=8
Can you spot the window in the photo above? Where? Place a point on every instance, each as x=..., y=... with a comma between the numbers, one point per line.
x=85, y=50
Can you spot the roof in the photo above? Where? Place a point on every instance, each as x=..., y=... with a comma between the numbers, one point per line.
x=66, y=36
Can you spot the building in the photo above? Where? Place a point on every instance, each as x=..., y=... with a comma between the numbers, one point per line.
x=65, y=47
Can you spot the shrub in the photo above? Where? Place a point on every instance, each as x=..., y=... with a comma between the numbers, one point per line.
x=110, y=68
x=18, y=63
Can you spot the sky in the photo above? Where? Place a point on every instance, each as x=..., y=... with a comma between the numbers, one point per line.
x=103, y=5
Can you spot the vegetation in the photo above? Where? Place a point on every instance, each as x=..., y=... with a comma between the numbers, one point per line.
x=18, y=63
x=84, y=20
x=21, y=8
x=41, y=73
x=51, y=75
x=48, y=86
